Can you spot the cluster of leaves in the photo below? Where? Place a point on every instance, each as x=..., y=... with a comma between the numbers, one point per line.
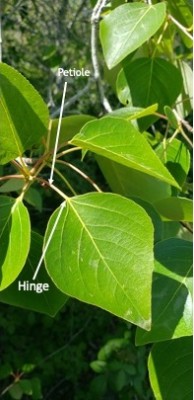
x=99, y=246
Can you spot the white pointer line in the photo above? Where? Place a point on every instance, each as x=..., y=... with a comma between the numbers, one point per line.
x=49, y=240
x=58, y=133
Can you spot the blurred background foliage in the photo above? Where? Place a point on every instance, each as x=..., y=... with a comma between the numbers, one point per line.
x=40, y=36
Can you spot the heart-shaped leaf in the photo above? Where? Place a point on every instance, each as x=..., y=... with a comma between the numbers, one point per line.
x=99, y=254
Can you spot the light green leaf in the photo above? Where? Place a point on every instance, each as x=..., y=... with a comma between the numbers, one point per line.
x=69, y=127
x=24, y=115
x=172, y=119
x=119, y=141
x=175, y=209
x=130, y=113
x=100, y=255
x=49, y=302
x=171, y=294
x=14, y=239
x=182, y=11
x=185, y=100
x=127, y=27
x=170, y=370
x=175, y=155
x=146, y=81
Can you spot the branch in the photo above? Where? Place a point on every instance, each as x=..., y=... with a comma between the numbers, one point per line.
x=96, y=67
x=181, y=27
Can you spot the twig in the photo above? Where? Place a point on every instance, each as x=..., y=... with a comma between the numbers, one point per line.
x=186, y=226
x=66, y=344
x=4, y=178
x=96, y=67
x=86, y=177
x=181, y=27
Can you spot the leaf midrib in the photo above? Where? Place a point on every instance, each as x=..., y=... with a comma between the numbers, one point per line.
x=102, y=258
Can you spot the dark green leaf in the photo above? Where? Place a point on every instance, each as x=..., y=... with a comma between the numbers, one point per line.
x=146, y=81
x=170, y=370
x=12, y=185
x=171, y=294
x=175, y=155
x=47, y=302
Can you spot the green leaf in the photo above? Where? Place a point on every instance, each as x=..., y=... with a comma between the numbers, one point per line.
x=185, y=100
x=26, y=386
x=171, y=117
x=34, y=198
x=36, y=388
x=170, y=370
x=16, y=391
x=100, y=255
x=146, y=81
x=175, y=209
x=14, y=239
x=130, y=182
x=130, y=113
x=182, y=11
x=12, y=185
x=69, y=127
x=171, y=293
x=24, y=115
x=48, y=302
x=176, y=157
x=127, y=27
x=119, y=141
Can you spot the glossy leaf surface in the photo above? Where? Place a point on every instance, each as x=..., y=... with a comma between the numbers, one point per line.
x=100, y=255
x=170, y=370
x=119, y=141
x=14, y=239
x=127, y=27
x=48, y=302
x=171, y=292
x=24, y=115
